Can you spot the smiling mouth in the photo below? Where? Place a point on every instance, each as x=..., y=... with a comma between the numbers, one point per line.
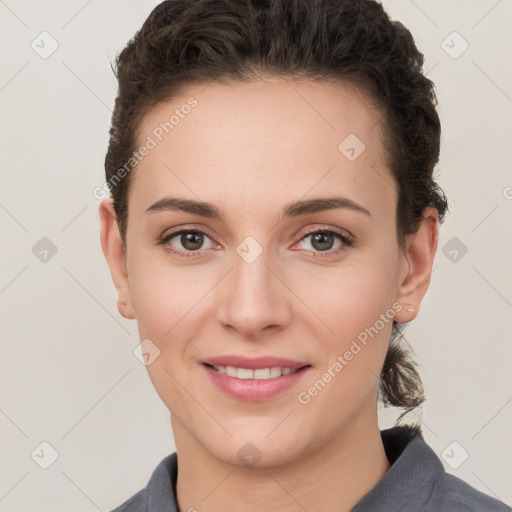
x=256, y=374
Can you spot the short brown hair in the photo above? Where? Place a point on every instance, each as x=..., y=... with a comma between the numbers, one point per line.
x=185, y=42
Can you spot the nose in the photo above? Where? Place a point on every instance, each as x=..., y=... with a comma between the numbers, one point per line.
x=254, y=299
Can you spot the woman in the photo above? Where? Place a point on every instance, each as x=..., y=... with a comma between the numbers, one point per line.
x=273, y=223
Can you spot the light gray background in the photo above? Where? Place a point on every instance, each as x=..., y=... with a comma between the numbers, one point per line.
x=68, y=376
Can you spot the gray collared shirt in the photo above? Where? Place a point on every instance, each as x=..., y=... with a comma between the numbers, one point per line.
x=415, y=482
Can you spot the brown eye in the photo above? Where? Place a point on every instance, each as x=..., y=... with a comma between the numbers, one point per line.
x=322, y=241
x=191, y=240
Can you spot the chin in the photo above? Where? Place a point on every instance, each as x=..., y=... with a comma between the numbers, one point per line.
x=256, y=451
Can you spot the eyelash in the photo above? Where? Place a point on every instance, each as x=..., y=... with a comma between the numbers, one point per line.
x=345, y=239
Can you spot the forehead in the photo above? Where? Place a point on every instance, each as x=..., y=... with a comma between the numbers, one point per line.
x=267, y=140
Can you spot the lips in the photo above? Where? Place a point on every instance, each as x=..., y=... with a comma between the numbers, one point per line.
x=255, y=363
x=254, y=389
x=254, y=378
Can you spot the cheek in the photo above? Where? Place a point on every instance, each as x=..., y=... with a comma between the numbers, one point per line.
x=156, y=305
x=166, y=316
x=165, y=300
x=352, y=296
x=361, y=317
x=356, y=305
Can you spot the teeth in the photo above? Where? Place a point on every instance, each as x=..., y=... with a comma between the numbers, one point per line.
x=259, y=373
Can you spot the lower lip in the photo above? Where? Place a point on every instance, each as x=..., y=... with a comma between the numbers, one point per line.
x=254, y=389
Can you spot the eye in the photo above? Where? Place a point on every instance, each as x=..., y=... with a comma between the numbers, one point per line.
x=322, y=241
x=191, y=241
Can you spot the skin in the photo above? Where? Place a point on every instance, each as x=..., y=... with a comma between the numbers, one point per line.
x=251, y=149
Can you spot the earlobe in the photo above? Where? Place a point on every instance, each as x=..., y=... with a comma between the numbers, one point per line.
x=419, y=253
x=112, y=246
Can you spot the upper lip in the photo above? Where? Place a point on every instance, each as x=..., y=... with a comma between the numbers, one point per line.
x=254, y=363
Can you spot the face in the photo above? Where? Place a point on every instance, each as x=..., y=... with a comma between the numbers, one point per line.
x=317, y=286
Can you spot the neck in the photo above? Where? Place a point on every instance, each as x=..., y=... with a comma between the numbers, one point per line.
x=332, y=478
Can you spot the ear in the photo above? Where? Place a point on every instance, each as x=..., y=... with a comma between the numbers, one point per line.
x=112, y=246
x=418, y=257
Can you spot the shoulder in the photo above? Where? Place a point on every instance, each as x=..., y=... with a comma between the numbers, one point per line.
x=455, y=495
x=417, y=481
x=137, y=503
x=159, y=492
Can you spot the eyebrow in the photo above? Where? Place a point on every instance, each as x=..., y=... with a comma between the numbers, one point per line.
x=290, y=210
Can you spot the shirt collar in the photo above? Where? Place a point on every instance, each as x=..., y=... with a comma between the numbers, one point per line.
x=407, y=485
